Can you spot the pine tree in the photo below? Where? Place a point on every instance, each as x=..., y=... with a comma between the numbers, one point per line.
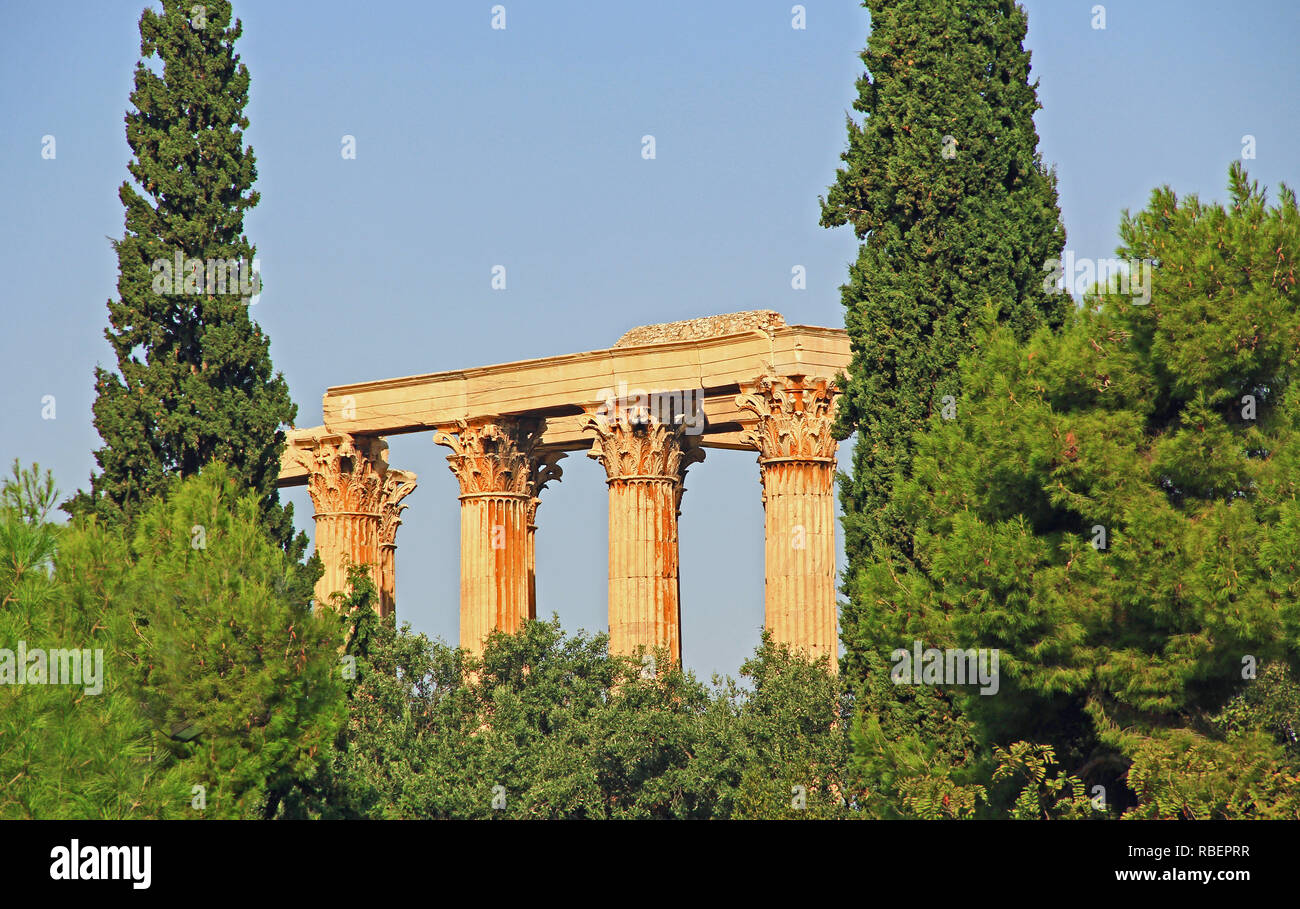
x=1116, y=510
x=239, y=678
x=209, y=668
x=943, y=183
x=80, y=751
x=194, y=379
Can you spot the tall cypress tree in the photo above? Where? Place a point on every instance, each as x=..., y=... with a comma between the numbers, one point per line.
x=194, y=381
x=943, y=183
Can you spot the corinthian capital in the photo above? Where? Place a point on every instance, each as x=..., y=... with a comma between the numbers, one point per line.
x=795, y=417
x=345, y=474
x=492, y=456
x=632, y=445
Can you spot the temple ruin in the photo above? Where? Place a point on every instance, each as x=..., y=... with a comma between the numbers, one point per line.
x=645, y=409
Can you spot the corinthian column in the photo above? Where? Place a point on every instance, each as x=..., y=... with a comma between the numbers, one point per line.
x=495, y=464
x=796, y=458
x=398, y=484
x=346, y=483
x=645, y=463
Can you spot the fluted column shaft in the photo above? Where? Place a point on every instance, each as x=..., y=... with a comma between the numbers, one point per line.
x=530, y=553
x=493, y=566
x=387, y=579
x=345, y=538
x=645, y=464
x=545, y=469
x=643, y=566
x=500, y=475
x=799, y=555
x=796, y=457
x=398, y=484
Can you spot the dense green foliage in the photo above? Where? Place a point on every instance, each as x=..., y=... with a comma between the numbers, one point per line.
x=194, y=380
x=1111, y=504
x=943, y=182
x=546, y=725
x=215, y=674
x=1156, y=662
x=64, y=753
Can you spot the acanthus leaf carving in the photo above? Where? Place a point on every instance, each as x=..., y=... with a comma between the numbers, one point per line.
x=492, y=456
x=546, y=469
x=795, y=417
x=634, y=445
x=345, y=474
x=398, y=484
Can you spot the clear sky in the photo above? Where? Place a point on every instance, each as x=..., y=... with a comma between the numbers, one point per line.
x=522, y=147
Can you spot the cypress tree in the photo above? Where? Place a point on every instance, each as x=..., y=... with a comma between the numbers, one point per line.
x=943, y=183
x=194, y=381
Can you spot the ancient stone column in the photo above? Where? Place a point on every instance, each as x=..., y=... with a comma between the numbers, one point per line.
x=346, y=483
x=796, y=457
x=398, y=484
x=545, y=469
x=495, y=463
x=645, y=463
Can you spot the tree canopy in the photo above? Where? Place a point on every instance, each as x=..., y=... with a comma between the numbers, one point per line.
x=1115, y=510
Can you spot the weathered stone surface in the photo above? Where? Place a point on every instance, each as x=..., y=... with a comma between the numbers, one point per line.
x=708, y=327
x=509, y=424
x=546, y=469
x=561, y=387
x=645, y=465
x=356, y=508
x=796, y=457
x=795, y=417
x=501, y=475
x=398, y=484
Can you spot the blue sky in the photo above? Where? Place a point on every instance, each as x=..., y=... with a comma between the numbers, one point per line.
x=522, y=147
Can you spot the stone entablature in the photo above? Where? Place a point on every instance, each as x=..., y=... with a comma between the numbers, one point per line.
x=565, y=388
x=762, y=385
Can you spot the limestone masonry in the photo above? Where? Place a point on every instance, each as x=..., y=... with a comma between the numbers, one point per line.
x=746, y=381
